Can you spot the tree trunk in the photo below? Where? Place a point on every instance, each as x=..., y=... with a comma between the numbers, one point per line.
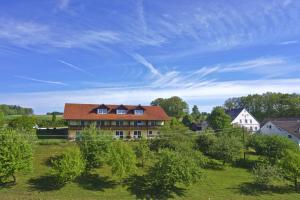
x=14, y=177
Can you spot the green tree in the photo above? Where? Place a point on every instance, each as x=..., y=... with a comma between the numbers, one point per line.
x=15, y=154
x=172, y=168
x=122, y=159
x=143, y=151
x=187, y=120
x=206, y=141
x=264, y=174
x=24, y=122
x=196, y=115
x=68, y=166
x=2, y=119
x=53, y=117
x=273, y=148
x=174, y=106
x=94, y=145
x=227, y=148
x=290, y=164
x=218, y=119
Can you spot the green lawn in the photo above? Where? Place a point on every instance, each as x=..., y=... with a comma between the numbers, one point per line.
x=228, y=183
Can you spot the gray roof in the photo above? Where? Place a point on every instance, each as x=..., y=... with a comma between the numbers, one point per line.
x=291, y=125
x=233, y=113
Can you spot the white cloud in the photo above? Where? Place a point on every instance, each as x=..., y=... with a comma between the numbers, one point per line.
x=289, y=42
x=70, y=65
x=217, y=90
x=40, y=81
x=140, y=59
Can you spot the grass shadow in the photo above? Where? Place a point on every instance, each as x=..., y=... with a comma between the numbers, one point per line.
x=95, y=182
x=9, y=184
x=255, y=190
x=245, y=164
x=44, y=183
x=140, y=187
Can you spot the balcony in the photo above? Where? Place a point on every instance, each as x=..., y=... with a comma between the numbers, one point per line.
x=116, y=127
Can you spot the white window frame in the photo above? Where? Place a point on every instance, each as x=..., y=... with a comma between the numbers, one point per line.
x=102, y=111
x=120, y=134
x=139, y=112
x=137, y=134
x=121, y=112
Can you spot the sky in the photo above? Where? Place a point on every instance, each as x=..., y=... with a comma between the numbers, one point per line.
x=134, y=51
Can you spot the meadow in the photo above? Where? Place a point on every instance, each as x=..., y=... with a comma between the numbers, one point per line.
x=230, y=182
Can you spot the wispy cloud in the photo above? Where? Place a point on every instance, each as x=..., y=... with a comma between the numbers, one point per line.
x=289, y=42
x=40, y=81
x=63, y=4
x=70, y=65
x=140, y=59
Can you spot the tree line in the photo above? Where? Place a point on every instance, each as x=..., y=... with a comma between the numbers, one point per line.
x=15, y=110
x=267, y=105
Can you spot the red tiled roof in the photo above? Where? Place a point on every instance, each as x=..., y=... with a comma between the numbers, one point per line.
x=89, y=112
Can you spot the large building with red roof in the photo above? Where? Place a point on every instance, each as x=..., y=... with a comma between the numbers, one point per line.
x=123, y=121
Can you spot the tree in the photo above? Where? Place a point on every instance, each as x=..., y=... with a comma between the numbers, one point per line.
x=187, y=120
x=94, y=145
x=53, y=117
x=122, y=159
x=174, y=106
x=143, y=151
x=15, y=110
x=273, y=148
x=227, y=148
x=206, y=141
x=196, y=115
x=267, y=105
x=264, y=174
x=2, y=119
x=68, y=166
x=15, y=154
x=290, y=165
x=172, y=168
x=23, y=122
x=218, y=119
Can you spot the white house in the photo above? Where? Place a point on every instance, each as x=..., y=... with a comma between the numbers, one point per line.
x=289, y=128
x=241, y=117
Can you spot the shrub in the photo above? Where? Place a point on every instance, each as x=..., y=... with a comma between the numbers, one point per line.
x=205, y=142
x=264, y=174
x=68, y=166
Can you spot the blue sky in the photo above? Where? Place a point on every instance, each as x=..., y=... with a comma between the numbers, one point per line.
x=134, y=51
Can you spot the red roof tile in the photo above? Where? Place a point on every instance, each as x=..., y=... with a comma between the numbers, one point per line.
x=89, y=112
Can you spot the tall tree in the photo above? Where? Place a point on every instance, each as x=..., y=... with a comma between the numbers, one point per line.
x=218, y=119
x=15, y=154
x=196, y=115
x=174, y=106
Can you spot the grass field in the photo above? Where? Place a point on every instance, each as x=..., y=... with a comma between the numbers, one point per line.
x=229, y=183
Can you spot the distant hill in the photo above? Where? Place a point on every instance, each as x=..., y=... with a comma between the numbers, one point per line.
x=15, y=110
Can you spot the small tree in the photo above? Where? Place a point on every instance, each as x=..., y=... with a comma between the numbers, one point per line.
x=15, y=154
x=143, y=151
x=2, y=119
x=290, y=165
x=94, y=145
x=264, y=174
x=121, y=158
x=53, y=117
x=22, y=123
x=172, y=168
x=227, y=148
x=196, y=115
x=68, y=166
x=187, y=120
x=218, y=119
x=206, y=141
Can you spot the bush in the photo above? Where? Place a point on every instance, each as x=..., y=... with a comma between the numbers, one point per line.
x=15, y=154
x=172, y=168
x=22, y=123
x=68, y=166
x=264, y=174
x=205, y=142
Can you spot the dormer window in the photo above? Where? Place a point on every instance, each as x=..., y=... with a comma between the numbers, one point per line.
x=138, y=112
x=102, y=111
x=121, y=112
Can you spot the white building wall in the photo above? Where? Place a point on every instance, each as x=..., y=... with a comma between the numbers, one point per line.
x=270, y=129
x=245, y=119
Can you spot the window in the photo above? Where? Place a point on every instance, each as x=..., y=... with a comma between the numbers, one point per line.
x=149, y=132
x=102, y=111
x=151, y=123
x=82, y=123
x=121, y=112
x=255, y=128
x=241, y=121
x=246, y=121
x=250, y=121
x=119, y=134
x=137, y=134
x=251, y=129
x=138, y=112
x=119, y=123
x=270, y=126
x=138, y=123
x=289, y=136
